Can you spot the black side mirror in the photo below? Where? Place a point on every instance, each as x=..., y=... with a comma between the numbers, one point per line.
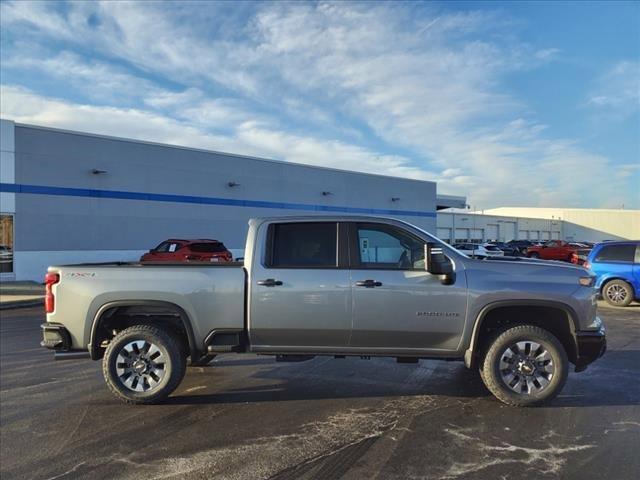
x=436, y=263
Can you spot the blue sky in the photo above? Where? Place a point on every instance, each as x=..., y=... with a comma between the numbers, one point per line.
x=510, y=104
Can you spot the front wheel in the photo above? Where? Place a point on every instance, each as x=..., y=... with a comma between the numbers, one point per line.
x=534, y=255
x=143, y=364
x=525, y=366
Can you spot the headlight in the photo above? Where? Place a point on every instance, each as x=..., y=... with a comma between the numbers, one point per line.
x=587, y=281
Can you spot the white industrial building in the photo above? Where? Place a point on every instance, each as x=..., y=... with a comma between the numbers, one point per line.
x=456, y=227
x=539, y=224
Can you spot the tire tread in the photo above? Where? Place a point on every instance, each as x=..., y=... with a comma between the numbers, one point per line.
x=494, y=384
x=178, y=364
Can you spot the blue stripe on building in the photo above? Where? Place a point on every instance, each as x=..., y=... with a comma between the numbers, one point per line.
x=162, y=197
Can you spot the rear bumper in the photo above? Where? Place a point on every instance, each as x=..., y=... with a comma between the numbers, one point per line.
x=591, y=346
x=55, y=337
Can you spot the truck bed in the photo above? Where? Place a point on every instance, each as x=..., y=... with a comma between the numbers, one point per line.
x=212, y=295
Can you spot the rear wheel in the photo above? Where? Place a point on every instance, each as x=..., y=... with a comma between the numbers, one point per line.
x=534, y=255
x=143, y=364
x=525, y=366
x=617, y=293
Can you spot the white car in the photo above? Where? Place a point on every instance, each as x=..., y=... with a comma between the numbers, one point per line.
x=476, y=250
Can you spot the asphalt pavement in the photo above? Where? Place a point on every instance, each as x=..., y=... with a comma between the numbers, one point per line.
x=248, y=417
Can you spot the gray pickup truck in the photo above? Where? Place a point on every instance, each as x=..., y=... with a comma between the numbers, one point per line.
x=338, y=286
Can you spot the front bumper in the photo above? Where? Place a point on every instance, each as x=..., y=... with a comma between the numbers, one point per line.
x=55, y=337
x=591, y=346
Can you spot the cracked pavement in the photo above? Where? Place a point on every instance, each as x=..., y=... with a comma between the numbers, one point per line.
x=247, y=416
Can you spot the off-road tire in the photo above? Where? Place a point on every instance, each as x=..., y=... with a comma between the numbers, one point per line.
x=622, y=288
x=174, y=364
x=490, y=365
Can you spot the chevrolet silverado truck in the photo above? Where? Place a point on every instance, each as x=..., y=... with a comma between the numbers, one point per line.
x=337, y=286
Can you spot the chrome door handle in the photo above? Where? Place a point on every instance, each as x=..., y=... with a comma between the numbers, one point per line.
x=270, y=282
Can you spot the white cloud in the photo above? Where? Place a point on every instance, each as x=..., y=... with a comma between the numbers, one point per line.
x=248, y=138
x=428, y=86
x=618, y=89
x=547, y=53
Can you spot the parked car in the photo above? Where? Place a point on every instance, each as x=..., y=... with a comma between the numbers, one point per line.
x=334, y=286
x=475, y=250
x=508, y=249
x=552, y=250
x=617, y=269
x=177, y=250
x=520, y=245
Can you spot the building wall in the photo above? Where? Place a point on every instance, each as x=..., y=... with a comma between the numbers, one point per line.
x=454, y=227
x=592, y=225
x=149, y=192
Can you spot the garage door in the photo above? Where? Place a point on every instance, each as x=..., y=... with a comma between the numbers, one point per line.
x=534, y=235
x=444, y=234
x=509, y=231
x=546, y=235
x=492, y=232
x=477, y=235
x=462, y=235
x=523, y=235
x=555, y=235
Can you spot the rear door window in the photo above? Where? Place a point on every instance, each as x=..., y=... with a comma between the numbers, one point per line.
x=616, y=253
x=304, y=245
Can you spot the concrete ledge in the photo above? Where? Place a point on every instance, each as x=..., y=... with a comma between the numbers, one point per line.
x=11, y=304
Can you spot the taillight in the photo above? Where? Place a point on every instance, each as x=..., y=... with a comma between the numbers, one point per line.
x=50, y=279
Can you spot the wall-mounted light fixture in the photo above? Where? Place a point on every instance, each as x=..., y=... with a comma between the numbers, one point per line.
x=95, y=171
x=233, y=184
x=395, y=199
x=325, y=193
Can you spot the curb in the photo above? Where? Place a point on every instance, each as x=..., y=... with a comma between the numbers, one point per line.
x=21, y=304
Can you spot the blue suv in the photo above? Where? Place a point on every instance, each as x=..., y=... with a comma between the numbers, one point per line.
x=617, y=269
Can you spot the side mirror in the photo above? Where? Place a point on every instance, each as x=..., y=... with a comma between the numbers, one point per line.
x=436, y=263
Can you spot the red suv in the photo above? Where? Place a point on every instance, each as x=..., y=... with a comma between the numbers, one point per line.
x=176, y=250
